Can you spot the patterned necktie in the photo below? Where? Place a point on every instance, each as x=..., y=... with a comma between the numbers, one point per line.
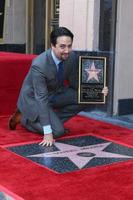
x=60, y=73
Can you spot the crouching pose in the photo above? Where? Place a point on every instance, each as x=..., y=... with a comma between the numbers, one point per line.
x=45, y=102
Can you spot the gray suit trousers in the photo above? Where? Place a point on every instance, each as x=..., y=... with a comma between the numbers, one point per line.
x=63, y=106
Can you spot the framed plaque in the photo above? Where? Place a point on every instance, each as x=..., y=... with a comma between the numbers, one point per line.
x=92, y=79
x=2, y=13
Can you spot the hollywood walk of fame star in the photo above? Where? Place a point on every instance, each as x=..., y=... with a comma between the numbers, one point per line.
x=92, y=72
x=4, y=196
x=80, y=156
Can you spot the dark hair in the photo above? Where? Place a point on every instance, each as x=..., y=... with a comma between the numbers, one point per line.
x=60, y=31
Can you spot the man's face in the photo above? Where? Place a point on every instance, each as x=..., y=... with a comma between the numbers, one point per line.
x=63, y=47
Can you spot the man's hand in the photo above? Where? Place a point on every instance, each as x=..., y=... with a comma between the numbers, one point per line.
x=105, y=91
x=48, y=140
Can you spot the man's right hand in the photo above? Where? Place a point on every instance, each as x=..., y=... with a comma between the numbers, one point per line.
x=48, y=140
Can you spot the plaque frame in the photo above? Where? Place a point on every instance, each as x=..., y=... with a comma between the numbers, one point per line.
x=2, y=17
x=92, y=79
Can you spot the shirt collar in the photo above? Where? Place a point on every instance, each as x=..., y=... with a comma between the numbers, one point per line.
x=56, y=60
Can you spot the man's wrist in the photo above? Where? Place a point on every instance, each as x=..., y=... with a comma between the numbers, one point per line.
x=47, y=129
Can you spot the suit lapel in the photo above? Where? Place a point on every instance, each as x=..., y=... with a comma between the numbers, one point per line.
x=51, y=62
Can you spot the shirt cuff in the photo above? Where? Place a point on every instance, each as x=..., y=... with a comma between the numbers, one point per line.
x=47, y=129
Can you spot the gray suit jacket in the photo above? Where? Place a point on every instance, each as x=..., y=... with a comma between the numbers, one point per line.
x=40, y=82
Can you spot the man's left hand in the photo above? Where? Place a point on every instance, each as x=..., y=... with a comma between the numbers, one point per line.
x=105, y=91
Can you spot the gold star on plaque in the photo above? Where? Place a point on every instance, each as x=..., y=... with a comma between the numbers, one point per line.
x=92, y=72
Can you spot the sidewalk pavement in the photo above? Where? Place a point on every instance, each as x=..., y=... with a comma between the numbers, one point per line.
x=123, y=120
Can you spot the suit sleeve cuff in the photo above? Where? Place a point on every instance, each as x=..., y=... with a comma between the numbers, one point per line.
x=47, y=129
